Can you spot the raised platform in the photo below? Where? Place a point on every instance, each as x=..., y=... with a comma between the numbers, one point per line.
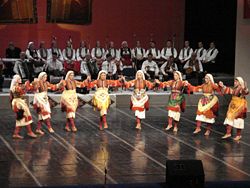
x=118, y=99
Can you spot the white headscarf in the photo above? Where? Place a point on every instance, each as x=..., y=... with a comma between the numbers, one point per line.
x=14, y=82
x=211, y=78
x=41, y=75
x=242, y=83
x=68, y=73
x=179, y=73
x=99, y=74
x=140, y=71
x=29, y=44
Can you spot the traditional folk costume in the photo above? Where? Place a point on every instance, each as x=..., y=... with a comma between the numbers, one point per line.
x=69, y=101
x=176, y=102
x=20, y=107
x=139, y=100
x=237, y=108
x=41, y=103
x=101, y=99
x=69, y=60
x=208, y=104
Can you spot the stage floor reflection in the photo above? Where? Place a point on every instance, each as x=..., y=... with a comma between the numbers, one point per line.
x=129, y=155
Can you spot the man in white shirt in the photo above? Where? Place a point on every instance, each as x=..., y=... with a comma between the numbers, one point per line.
x=98, y=54
x=150, y=68
x=43, y=52
x=156, y=54
x=82, y=51
x=69, y=57
x=193, y=69
x=110, y=67
x=201, y=52
x=138, y=54
x=185, y=54
x=55, y=49
x=54, y=66
x=168, y=51
x=210, y=58
x=168, y=68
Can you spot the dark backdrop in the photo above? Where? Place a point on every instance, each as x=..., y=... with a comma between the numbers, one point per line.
x=213, y=20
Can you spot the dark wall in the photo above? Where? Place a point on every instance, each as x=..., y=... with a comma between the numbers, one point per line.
x=213, y=20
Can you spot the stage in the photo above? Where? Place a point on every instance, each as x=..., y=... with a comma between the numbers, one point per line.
x=130, y=156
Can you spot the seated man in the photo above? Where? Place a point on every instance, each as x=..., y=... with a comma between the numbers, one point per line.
x=110, y=67
x=168, y=68
x=193, y=69
x=150, y=68
x=21, y=67
x=54, y=68
x=89, y=67
x=210, y=58
x=11, y=52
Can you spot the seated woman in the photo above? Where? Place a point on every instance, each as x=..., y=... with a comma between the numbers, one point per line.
x=139, y=99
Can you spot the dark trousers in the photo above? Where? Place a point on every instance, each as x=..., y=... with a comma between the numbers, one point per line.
x=1, y=82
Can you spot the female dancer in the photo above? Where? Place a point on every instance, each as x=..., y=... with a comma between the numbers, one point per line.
x=237, y=108
x=176, y=102
x=41, y=102
x=139, y=99
x=69, y=101
x=20, y=107
x=101, y=98
x=208, y=104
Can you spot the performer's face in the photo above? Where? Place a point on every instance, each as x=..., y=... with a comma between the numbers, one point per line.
x=19, y=80
x=71, y=76
x=44, y=78
x=236, y=83
x=103, y=76
x=207, y=79
x=139, y=76
x=176, y=76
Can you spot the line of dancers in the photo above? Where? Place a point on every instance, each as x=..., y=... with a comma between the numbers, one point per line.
x=207, y=109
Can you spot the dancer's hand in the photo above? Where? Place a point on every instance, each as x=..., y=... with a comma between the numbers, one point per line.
x=157, y=81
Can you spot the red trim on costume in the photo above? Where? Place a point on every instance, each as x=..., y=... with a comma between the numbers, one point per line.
x=175, y=109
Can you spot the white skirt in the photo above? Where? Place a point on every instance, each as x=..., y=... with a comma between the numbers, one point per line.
x=203, y=118
x=236, y=123
x=140, y=114
x=175, y=115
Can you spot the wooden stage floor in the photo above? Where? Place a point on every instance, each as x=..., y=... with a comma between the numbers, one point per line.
x=130, y=156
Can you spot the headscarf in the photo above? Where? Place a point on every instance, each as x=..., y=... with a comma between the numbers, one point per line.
x=241, y=81
x=68, y=73
x=179, y=74
x=41, y=75
x=140, y=71
x=211, y=78
x=99, y=74
x=14, y=82
x=29, y=44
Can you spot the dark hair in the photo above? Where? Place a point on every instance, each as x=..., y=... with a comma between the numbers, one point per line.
x=108, y=55
x=54, y=53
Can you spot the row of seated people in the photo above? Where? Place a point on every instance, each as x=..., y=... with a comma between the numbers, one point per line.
x=125, y=54
x=192, y=69
x=127, y=60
